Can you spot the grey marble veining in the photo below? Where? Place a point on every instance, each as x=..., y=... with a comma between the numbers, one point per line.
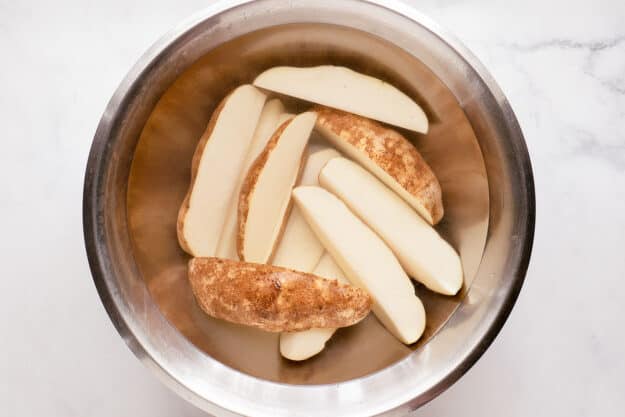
x=560, y=63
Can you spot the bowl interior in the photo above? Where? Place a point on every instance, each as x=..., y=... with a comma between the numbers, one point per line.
x=160, y=174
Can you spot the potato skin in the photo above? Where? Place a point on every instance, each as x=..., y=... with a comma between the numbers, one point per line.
x=389, y=150
x=272, y=298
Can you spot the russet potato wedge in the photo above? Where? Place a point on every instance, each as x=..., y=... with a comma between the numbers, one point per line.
x=366, y=261
x=272, y=298
x=265, y=196
x=348, y=90
x=215, y=170
x=271, y=117
x=299, y=248
x=387, y=155
x=426, y=256
x=299, y=346
x=284, y=117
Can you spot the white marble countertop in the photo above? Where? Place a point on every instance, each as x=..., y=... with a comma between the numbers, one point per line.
x=562, y=65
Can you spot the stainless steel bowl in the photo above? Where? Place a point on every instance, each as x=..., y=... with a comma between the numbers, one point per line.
x=138, y=171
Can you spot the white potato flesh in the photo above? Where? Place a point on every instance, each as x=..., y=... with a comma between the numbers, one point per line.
x=270, y=193
x=425, y=255
x=270, y=118
x=284, y=117
x=348, y=90
x=366, y=261
x=218, y=171
x=299, y=248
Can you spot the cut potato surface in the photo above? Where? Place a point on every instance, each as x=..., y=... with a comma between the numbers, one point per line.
x=299, y=346
x=317, y=159
x=386, y=154
x=299, y=248
x=348, y=90
x=272, y=298
x=266, y=192
x=270, y=118
x=216, y=167
x=284, y=117
x=366, y=261
x=426, y=256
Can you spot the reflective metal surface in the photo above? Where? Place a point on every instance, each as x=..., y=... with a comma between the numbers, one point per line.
x=138, y=173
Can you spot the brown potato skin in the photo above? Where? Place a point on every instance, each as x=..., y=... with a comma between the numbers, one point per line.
x=272, y=298
x=392, y=152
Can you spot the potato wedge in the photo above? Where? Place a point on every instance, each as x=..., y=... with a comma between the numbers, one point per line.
x=270, y=119
x=299, y=248
x=299, y=346
x=366, y=261
x=425, y=255
x=266, y=193
x=215, y=169
x=386, y=154
x=284, y=117
x=272, y=298
x=348, y=90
